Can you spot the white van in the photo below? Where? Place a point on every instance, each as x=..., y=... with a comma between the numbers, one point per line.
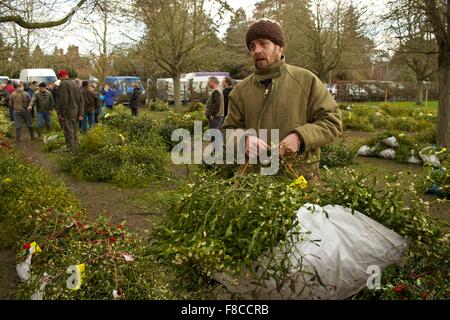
x=4, y=79
x=39, y=75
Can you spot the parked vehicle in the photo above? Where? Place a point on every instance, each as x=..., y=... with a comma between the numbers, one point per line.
x=332, y=88
x=165, y=90
x=124, y=86
x=4, y=79
x=39, y=75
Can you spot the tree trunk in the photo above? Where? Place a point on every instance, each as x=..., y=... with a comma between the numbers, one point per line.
x=419, y=93
x=443, y=134
x=177, y=91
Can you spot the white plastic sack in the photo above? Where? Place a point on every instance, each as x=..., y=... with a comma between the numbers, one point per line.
x=350, y=246
x=23, y=269
x=387, y=154
x=366, y=151
x=429, y=158
x=391, y=142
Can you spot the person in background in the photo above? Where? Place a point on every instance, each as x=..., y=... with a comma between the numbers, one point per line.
x=109, y=95
x=20, y=103
x=43, y=102
x=10, y=87
x=29, y=90
x=53, y=88
x=70, y=108
x=134, y=99
x=98, y=108
x=90, y=104
x=227, y=85
x=5, y=95
x=214, y=108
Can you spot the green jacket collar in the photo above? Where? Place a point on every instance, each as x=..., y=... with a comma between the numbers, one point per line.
x=272, y=72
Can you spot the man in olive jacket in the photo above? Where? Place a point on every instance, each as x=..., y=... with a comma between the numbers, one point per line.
x=70, y=108
x=284, y=97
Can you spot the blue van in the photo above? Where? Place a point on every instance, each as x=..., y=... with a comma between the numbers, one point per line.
x=124, y=86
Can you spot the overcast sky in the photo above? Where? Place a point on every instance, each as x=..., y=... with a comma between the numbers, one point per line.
x=78, y=34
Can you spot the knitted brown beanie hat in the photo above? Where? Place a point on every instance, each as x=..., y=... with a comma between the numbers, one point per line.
x=265, y=29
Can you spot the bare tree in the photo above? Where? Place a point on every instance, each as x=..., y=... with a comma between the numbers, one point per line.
x=9, y=13
x=178, y=33
x=435, y=13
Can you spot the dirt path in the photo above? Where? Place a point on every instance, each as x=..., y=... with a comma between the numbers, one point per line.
x=94, y=197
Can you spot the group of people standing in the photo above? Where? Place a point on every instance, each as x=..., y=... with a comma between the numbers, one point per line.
x=77, y=103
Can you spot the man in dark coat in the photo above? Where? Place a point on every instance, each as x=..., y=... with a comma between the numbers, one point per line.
x=134, y=100
x=227, y=84
x=214, y=107
x=90, y=104
x=70, y=108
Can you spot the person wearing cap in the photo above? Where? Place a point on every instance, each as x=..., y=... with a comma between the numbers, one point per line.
x=43, y=102
x=284, y=97
x=70, y=108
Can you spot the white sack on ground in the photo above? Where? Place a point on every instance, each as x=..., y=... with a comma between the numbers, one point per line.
x=349, y=245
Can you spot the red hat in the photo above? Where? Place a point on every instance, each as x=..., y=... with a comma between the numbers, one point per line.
x=63, y=73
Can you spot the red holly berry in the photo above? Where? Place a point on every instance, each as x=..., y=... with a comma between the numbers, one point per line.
x=120, y=226
x=113, y=239
x=400, y=288
x=27, y=246
x=123, y=236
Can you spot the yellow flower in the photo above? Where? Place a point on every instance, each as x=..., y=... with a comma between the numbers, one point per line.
x=300, y=183
x=442, y=151
x=36, y=247
x=349, y=115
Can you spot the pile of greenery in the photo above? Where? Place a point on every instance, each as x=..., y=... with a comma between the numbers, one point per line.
x=408, y=144
x=337, y=155
x=24, y=191
x=159, y=106
x=133, y=158
x=197, y=106
x=180, y=121
x=114, y=261
x=5, y=125
x=227, y=224
x=395, y=118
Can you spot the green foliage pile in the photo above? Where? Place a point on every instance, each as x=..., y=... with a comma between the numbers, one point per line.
x=226, y=224
x=24, y=191
x=425, y=272
x=5, y=125
x=395, y=118
x=180, y=121
x=66, y=239
x=197, y=106
x=408, y=144
x=133, y=158
x=159, y=106
x=337, y=155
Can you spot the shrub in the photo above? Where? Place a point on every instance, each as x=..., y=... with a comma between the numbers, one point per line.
x=159, y=105
x=197, y=106
x=67, y=239
x=337, y=155
x=5, y=125
x=180, y=121
x=24, y=190
x=53, y=142
x=130, y=160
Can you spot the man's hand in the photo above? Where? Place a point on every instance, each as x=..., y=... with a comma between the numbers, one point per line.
x=254, y=145
x=290, y=144
x=80, y=117
x=29, y=108
x=61, y=117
